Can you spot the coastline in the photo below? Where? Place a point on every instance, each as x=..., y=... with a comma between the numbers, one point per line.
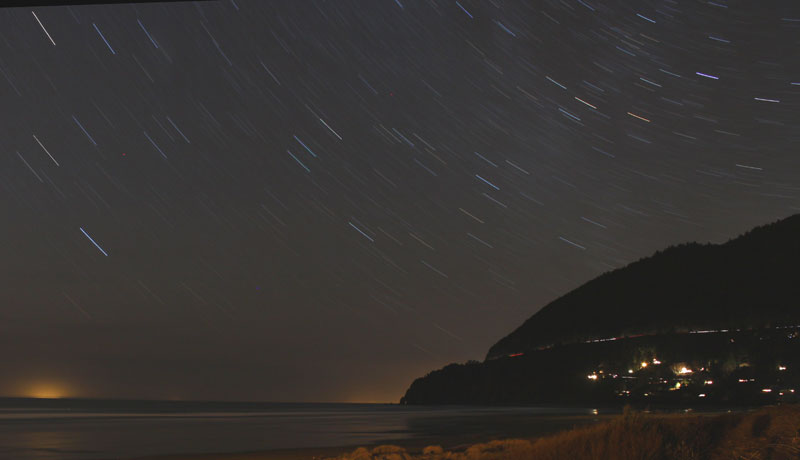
x=311, y=453
x=453, y=440
x=764, y=433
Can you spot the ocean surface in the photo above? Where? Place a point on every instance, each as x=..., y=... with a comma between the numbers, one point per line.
x=98, y=429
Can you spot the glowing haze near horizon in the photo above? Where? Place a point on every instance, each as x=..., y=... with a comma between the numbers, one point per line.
x=320, y=201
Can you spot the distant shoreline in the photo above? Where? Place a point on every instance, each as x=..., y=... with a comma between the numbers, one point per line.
x=279, y=454
x=197, y=432
x=764, y=431
x=452, y=440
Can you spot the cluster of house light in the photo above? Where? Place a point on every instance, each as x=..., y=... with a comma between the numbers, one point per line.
x=682, y=371
x=642, y=365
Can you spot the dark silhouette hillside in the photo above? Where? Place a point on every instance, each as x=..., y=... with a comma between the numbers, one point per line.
x=749, y=282
x=693, y=324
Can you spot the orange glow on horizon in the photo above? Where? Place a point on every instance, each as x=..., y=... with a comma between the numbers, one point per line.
x=48, y=390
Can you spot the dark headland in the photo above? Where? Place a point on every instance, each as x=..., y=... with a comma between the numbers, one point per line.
x=693, y=324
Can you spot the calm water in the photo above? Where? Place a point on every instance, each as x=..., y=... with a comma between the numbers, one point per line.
x=48, y=430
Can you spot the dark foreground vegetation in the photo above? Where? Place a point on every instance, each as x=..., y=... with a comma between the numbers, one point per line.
x=769, y=433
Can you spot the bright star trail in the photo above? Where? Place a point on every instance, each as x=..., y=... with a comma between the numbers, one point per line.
x=94, y=242
x=356, y=192
x=45, y=30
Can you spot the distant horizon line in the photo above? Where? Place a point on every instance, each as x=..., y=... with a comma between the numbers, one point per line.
x=238, y=401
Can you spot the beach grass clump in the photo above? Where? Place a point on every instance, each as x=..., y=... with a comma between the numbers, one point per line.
x=383, y=452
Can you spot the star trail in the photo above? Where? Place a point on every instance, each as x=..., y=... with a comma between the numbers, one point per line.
x=311, y=200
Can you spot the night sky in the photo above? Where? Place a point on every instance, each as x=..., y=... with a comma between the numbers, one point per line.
x=323, y=200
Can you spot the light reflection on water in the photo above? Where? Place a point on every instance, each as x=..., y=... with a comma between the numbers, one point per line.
x=78, y=433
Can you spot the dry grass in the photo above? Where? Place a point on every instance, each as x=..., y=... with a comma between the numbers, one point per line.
x=771, y=433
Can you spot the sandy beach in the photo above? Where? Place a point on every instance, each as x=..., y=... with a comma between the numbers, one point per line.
x=452, y=438
x=769, y=432
x=281, y=454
